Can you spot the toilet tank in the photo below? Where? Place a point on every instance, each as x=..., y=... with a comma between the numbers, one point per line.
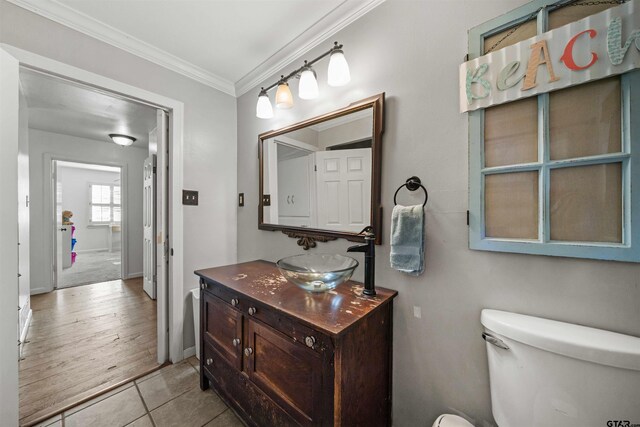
x=560, y=374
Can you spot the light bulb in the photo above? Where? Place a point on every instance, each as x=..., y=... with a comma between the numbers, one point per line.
x=338, y=74
x=308, y=87
x=264, y=110
x=284, y=98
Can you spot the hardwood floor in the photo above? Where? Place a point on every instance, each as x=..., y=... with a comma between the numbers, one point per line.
x=83, y=340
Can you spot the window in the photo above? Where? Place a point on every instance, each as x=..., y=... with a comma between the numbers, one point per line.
x=552, y=174
x=105, y=204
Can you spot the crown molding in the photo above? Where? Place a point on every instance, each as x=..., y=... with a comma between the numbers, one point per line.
x=62, y=14
x=330, y=24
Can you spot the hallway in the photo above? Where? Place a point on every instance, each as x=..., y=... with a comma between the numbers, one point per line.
x=83, y=340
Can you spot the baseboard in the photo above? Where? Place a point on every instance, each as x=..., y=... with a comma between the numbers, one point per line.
x=86, y=251
x=36, y=291
x=134, y=275
x=188, y=352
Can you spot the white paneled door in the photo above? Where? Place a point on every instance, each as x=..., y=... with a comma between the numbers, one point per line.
x=60, y=229
x=162, y=223
x=344, y=189
x=149, y=224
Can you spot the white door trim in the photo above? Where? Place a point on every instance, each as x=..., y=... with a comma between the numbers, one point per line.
x=9, y=107
x=172, y=314
x=49, y=206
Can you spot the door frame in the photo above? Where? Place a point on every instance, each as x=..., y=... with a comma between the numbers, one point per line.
x=170, y=302
x=50, y=209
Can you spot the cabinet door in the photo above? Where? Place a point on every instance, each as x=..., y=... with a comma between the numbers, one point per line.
x=222, y=327
x=288, y=372
x=293, y=187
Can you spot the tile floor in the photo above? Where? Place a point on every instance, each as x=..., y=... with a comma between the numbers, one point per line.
x=168, y=397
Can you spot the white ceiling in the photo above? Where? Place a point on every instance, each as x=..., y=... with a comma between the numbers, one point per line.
x=228, y=38
x=59, y=106
x=231, y=45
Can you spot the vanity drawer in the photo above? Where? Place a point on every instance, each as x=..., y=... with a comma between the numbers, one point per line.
x=229, y=297
x=222, y=327
x=296, y=331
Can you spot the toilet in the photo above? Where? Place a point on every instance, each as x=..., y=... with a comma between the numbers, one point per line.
x=548, y=373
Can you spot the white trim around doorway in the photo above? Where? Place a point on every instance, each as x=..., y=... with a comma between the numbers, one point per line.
x=170, y=296
x=50, y=214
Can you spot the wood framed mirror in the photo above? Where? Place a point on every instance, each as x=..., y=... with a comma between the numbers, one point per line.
x=320, y=178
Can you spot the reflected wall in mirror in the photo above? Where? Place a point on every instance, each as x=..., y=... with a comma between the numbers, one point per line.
x=321, y=176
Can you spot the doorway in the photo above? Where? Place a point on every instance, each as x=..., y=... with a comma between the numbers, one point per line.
x=90, y=200
x=92, y=324
x=169, y=294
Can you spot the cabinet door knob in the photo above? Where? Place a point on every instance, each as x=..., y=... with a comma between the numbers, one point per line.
x=209, y=362
x=203, y=285
x=252, y=311
x=234, y=301
x=310, y=341
x=248, y=351
x=236, y=342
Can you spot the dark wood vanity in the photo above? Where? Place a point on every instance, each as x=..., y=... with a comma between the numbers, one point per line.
x=282, y=356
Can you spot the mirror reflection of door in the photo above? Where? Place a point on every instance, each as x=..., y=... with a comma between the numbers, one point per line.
x=320, y=176
x=344, y=189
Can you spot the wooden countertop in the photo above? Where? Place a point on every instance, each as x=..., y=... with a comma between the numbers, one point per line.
x=333, y=311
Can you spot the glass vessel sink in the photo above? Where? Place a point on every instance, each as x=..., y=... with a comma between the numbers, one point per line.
x=317, y=272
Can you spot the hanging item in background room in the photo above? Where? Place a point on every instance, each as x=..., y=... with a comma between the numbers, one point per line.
x=582, y=51
x=66, y=217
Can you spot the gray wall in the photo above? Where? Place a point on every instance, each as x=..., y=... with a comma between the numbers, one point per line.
x=411, y=50
x=209, y=152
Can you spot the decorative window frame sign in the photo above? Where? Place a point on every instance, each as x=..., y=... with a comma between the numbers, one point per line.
x=599, y=46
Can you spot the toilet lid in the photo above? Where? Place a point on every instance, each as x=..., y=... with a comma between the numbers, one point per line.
x=448, y=420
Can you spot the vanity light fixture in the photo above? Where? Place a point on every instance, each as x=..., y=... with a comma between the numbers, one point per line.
x=123, y=140
x=284, y=98
x=264, y=110
x=338, y=75
x=308, y=86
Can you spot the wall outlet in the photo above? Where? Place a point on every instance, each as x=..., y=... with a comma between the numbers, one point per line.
x=417, y=312
x=190, y=197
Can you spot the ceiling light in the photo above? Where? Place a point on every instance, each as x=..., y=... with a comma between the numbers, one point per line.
x=284, y=98
x=338, y=74
x=124, y=140
x=264, y=110
x=308, y=87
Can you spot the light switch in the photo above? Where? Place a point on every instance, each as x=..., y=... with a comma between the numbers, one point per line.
x=417, y=311
x=190, y=197
x=241, y=199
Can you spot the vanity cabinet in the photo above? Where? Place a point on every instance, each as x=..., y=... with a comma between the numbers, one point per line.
x=281, y=356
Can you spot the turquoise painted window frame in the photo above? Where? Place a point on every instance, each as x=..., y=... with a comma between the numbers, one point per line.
x=629, y=249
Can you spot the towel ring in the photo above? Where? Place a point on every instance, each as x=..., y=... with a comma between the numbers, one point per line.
x=412, y=184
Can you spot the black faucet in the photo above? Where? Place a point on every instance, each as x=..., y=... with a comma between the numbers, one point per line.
x=369, y=249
